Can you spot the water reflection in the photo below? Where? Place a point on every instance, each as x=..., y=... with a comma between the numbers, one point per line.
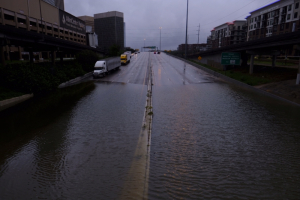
x=81, y=152
x=29, y=155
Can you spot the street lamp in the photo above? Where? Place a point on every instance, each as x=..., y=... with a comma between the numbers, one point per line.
x=160, y=38
x=144, y=44
x=187, y=14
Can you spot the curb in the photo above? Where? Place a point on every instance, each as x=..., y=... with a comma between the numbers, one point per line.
x=75, y=80
x=13, y=101
x=235, y=82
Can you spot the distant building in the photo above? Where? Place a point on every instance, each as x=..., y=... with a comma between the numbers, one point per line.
x=209, y=43
x=279, y=17
x=228, y=33
x=193, y=48
x=57, y=3
x=109, y=27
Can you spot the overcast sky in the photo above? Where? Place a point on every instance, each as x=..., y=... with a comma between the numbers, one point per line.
x=144, y=17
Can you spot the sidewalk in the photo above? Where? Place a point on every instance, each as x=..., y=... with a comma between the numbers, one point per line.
x=285, y=89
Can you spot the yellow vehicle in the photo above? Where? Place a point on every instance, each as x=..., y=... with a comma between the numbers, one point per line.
x=125, y=58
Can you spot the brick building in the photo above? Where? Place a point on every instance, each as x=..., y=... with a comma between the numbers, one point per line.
x=228, y=33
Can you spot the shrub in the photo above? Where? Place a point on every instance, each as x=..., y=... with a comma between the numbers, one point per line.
x=37, y=78
x=87, y=60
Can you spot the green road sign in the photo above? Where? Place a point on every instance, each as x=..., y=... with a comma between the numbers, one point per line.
x=231, y=58
x=151, y=47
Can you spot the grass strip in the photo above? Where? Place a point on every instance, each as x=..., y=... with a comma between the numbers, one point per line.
x=249, y=79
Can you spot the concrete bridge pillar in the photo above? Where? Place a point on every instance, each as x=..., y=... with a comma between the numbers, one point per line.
x=30, y=56
x=251, y=64
x=2, y=55
x=61, y=57
x=298, y=75
x=273, y=61
x=53, y=57
x=20, y=52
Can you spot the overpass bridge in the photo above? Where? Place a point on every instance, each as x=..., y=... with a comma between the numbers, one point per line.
x=273, y=46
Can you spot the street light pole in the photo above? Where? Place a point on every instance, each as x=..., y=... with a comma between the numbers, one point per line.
x=144, y=44
x=187, y=14
x=160, y=38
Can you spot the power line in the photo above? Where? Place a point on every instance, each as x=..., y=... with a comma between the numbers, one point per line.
x=236, y=11
x=233, y=12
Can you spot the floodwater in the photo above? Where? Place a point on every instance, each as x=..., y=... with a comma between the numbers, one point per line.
x=214, y=141
x=209, y=140
x=81, y=152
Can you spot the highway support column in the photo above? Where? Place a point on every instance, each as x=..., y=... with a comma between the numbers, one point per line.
x=61, y=57
x=251, y=64
x=31, y=56
x=273, y=60
x=53, y=57
x=2, y=55
x=298, y=75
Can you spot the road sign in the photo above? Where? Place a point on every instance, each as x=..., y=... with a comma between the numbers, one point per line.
x=231, y=58
x=151, y=47
x=199, y=58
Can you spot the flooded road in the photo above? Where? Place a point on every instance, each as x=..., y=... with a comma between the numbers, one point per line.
x=210, y=140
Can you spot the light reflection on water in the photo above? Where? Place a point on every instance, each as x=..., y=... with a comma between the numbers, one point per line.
x=212, y=141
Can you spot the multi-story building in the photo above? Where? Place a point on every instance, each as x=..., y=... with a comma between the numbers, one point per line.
x=57, y=3
x=209, y=43
x=228, y=33
x=109, y=27
x=91, y=36
x=89, y=23
x=281, y=16
x=40, y=17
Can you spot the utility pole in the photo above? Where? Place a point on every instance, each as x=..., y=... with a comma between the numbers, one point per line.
x=198, y=32
x=160, y=38
x=186, y=28
x=41, y=18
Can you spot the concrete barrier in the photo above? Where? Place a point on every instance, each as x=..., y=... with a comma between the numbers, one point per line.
x=14, y=101
x=75, y=80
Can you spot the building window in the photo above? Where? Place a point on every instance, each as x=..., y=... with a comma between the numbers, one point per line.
x=295, y=15
x=287, y=25
x=288, y=17
x=254, y=25
x=290, y=8
x=297, y=5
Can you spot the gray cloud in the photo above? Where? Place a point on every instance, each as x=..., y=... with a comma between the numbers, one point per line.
x=144, y=17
